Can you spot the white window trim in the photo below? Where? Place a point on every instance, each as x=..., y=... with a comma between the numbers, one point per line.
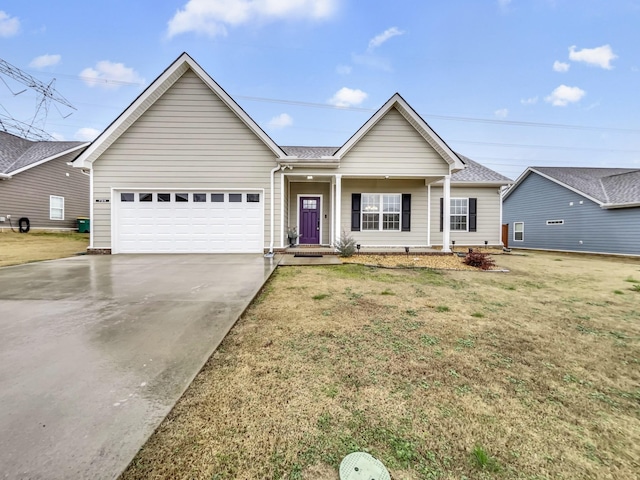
x=51, y=207
x=555, y=222
x=452, y=215
x=514, y=231
x=380, y=213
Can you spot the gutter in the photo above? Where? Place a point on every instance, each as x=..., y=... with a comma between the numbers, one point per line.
x=4, y=176
x=611, y=206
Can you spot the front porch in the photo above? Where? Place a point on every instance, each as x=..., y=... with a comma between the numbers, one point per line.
x=318, y=206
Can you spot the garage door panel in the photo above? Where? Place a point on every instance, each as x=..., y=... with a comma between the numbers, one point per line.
x=189, y=227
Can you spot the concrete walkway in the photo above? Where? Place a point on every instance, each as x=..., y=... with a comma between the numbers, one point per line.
x=96, y=350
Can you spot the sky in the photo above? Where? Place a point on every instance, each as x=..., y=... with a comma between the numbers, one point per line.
x=508, y=83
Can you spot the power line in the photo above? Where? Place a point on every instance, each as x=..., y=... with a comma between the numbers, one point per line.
x=545, y=147
x=445, y=117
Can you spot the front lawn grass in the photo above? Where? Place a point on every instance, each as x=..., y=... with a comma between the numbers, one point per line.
x=533, y=374
x=17, y=248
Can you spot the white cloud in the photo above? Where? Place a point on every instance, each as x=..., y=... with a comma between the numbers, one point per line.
x=561, y=66
x=110, y=75
x=502, y=113
x=211, y=17
x=343, y=69
x=599, y=56
x=45, y=61
x=86, y=134
x=281, y=121
x=9, y=26
x=379, y=39
x=348, y=97
x=529, y=101
x=564, y=95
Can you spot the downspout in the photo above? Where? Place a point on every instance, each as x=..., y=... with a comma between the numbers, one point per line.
x=272, y=206
x=273, y=209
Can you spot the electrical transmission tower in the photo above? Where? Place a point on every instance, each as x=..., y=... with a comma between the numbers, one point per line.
x=46, y=94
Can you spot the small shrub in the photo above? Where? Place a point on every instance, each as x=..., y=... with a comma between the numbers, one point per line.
x=442, y=308
x=479, y=260
x=635, y=288
x=477, y=314
x=320, y=296
x=618, y=292
x=346, y=245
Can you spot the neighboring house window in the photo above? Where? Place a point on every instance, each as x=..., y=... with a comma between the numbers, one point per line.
x=381, y=211
x=459, y=214
x=56, y=207
x=555, y=222
x=463, y=214
x=518, y=231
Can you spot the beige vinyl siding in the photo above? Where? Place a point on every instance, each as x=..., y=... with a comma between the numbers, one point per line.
x=311, y=188
x=488, y=215
x=27, y=194
x=188, y=139
x=393, y=147
x=418, y=191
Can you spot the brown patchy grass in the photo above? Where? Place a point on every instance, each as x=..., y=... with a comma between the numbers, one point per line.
x=17, y=248
x=532, y=374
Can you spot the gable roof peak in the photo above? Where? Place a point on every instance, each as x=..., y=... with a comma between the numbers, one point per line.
x=416, y=121
x=152, y=93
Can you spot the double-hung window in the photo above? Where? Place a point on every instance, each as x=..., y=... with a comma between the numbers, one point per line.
x=56, y=207
x=459, y=214
x=518, y=231
x=381, y=211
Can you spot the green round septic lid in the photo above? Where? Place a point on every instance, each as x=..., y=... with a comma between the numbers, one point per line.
x=362, y=466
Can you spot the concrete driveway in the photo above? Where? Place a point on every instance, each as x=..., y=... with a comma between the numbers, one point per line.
x=96, y=350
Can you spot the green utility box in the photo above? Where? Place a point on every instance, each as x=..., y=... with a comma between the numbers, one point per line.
x=84, y=225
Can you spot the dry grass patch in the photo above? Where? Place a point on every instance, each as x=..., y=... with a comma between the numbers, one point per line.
x=528, y=375
x=17, y=248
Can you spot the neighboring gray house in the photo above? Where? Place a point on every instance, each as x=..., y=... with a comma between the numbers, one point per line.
x=37, y=184
x=185, y=169
x=575, y=209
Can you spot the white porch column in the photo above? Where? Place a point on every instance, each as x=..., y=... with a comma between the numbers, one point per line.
x=332, y=193
x=446, y=217
x=338, y=208
x=282, y=219
x=429, y=215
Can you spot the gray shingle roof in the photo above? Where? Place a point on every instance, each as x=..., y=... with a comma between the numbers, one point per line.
x=310, y=152
x=17, y=153
x=474, y=172
x=477, y=173
x=606, y=185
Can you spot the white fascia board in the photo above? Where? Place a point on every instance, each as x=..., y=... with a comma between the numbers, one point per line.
x=568, y=187
x=480, y=184
x=450, y=157
x=4, y=176
x=48, y=159
x=611, y=206
x=530, y=170
x=183, y=62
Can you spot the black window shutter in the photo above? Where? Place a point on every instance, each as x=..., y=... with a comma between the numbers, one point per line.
x=473, y=209
x=441, y=214
x=406, y=212
x=355, y=211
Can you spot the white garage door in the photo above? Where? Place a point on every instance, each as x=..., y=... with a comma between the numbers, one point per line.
x=189, y=222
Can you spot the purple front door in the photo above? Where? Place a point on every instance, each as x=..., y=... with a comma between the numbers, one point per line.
x=309, y=220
